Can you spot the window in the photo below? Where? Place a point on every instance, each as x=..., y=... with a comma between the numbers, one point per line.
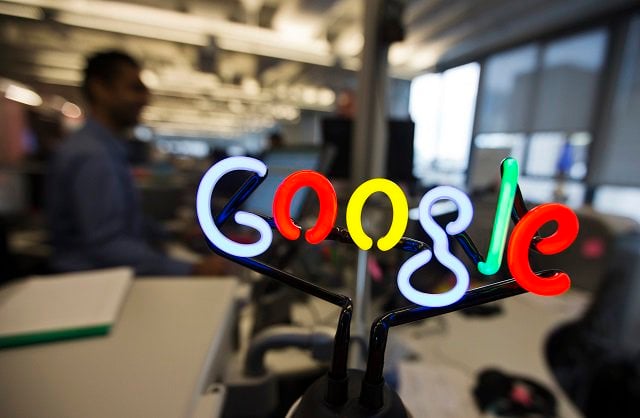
x=568, y=82
x=507, y=88
x=616, y=200
x=536, y=105
x=616, y=161
x=442, y=107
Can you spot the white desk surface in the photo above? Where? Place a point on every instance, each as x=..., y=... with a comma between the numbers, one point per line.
x=154, y=363
x=450, y=358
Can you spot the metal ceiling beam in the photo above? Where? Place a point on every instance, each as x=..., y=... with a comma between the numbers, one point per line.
x=494, y=15
x=186, y=28
x=440, y=16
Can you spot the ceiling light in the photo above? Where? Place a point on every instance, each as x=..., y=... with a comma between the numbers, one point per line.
x=292, y=114
x=281, y=91
x=295, y=92
x=349, y=42
x=310, y=55
x=145, y=31
x=71, y=110
x=149, y=78
x=59, y=76
x=250, y=86
x=326, y=97
x=155, y=23
x=310, y=95
x=20, y=10
x=23, y=95
x=236, y=106
x=399, y=53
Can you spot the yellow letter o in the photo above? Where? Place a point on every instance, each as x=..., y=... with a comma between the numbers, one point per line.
x=400, y=213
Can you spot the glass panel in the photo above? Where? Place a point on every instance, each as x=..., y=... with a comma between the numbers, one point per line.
x=580, y=142
x=458, y=107
x=617, y=161
x=539, y=190
x=424, y=107
x=568, y=81
x=442, y=107
x=490, y=150
x=506, y=90
x=622, y=201
x=546, y=152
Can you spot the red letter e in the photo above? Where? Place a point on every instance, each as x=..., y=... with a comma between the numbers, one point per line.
x=523, y=233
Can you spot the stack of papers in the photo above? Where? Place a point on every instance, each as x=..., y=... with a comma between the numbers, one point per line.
x=56, y=307
x=436, y=390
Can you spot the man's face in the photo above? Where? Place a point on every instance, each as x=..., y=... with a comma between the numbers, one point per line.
x=124, y=97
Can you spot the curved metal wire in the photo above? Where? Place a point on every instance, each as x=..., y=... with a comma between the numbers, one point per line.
x=337, y=390
x=371, y=393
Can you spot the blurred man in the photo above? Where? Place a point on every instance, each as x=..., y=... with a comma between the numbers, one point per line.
x=92, y=204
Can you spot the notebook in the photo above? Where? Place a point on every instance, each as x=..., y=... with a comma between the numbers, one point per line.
x=57, y=307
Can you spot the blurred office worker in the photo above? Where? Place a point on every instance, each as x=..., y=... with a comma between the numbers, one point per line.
x=93, y=207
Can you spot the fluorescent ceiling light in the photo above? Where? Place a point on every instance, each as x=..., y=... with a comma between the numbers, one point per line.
x=59, y=59
x=62, y=76
x=309, y=55
x=349, y=42
x=149, y=78
x=145, y=31
x=155, y=23
x=20, y=10
x=23, y=95
x=71, y=110
x=326, y=97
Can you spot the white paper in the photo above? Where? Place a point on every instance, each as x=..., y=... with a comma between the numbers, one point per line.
x=65, y=301
x=438, y=391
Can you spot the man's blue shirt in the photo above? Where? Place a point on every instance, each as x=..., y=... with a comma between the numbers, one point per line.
x=94, y=210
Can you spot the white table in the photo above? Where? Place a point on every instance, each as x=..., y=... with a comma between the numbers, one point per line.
x=451, y=358
x=166, y=348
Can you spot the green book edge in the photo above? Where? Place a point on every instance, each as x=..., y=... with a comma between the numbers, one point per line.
x=53, y=335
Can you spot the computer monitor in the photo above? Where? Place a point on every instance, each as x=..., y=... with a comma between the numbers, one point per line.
x=281, y=162
x=485, y=169
x=338, y=133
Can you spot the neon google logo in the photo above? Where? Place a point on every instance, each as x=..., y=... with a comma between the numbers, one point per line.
x=522, y=237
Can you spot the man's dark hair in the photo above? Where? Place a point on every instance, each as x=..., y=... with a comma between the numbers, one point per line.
x=104, y=66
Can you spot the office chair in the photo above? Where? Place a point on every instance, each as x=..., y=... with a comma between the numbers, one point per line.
x=596, y=359
x=586, y=260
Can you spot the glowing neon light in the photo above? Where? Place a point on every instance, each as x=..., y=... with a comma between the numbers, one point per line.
x=523, y=233
x=517, y=251
x=203, y=209
x=400, y=213
x=507, y=193
x=326, y=196
x=440, y=249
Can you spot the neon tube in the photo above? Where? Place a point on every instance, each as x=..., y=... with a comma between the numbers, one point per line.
x=203, y=209
x=523, y=233
x=400, y=213
x=507, y=193
x=440, y=249
x=328, y=205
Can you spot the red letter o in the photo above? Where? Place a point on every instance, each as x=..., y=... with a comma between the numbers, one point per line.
x=328, y=205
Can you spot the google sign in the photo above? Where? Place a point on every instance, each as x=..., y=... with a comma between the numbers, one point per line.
x=522, y=237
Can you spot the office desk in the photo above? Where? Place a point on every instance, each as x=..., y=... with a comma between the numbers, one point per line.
x=165, y=348
x=453, y=352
